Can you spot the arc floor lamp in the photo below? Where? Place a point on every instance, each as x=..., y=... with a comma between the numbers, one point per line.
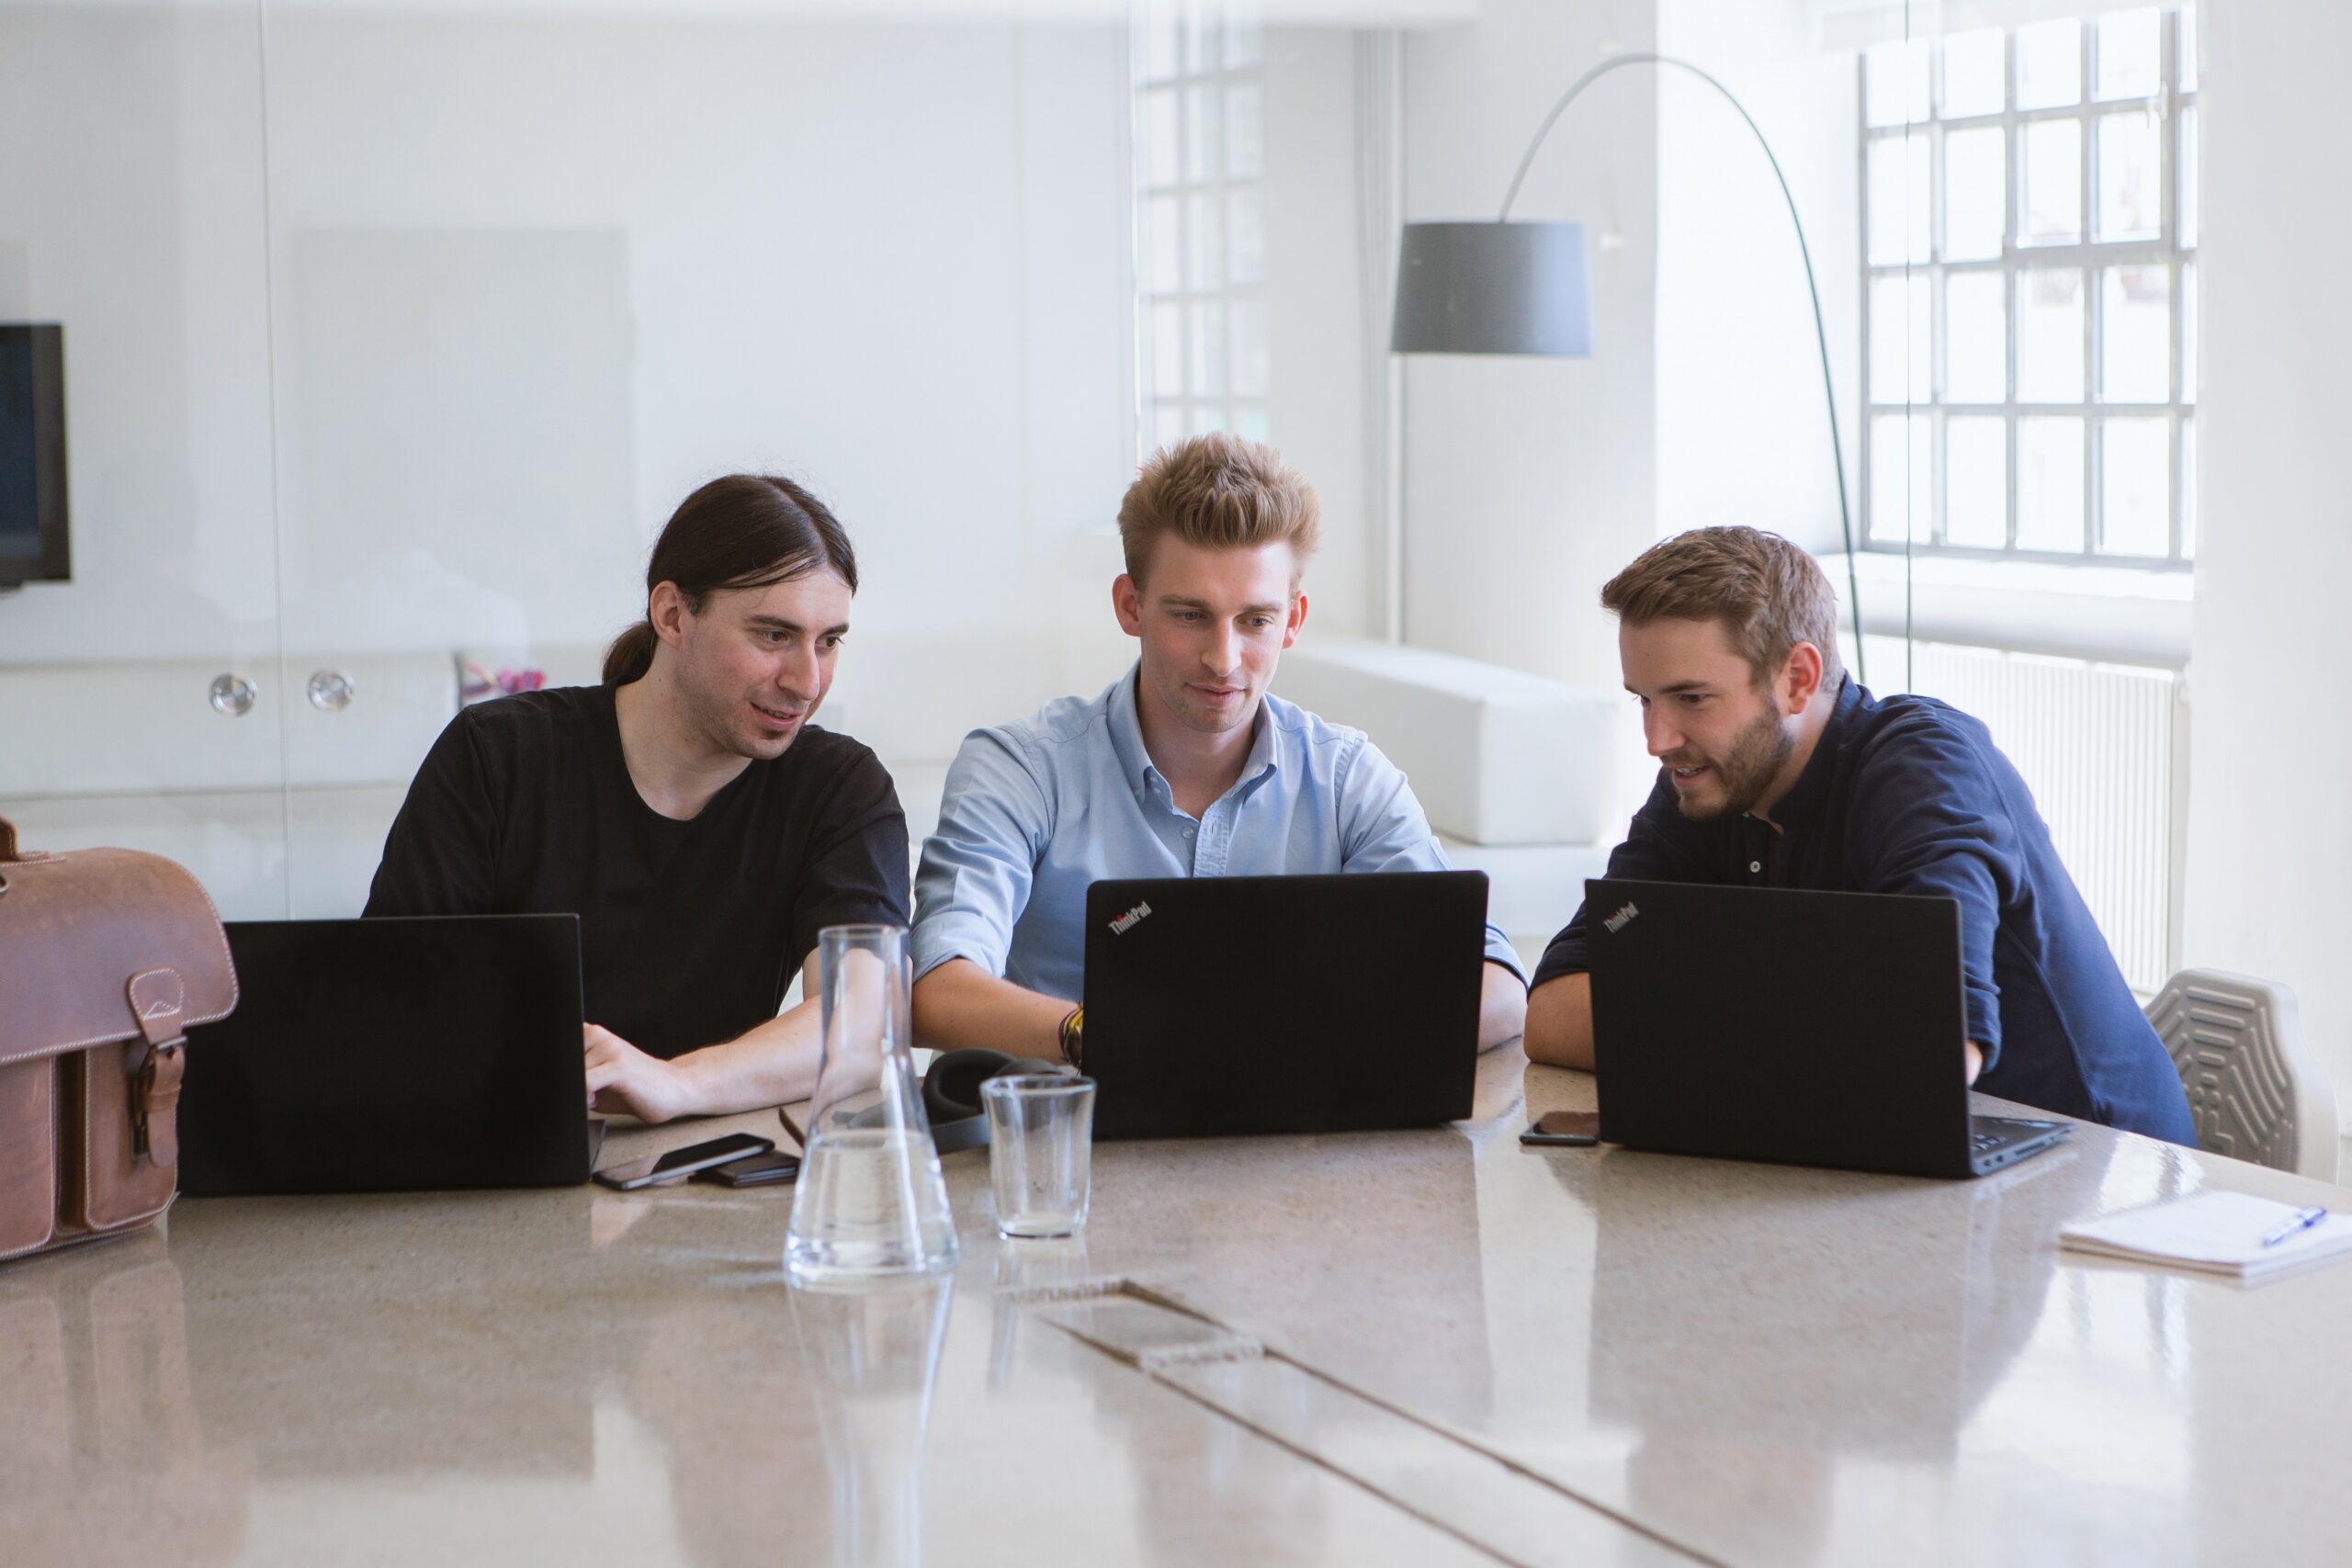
x=1505, y=287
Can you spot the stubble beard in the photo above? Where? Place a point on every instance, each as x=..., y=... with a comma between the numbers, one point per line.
x=1746, y=770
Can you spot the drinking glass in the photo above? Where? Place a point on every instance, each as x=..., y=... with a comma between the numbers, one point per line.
x=1041, y=1136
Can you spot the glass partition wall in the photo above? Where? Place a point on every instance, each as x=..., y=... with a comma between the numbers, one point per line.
x=392, y=335
x=146, y=701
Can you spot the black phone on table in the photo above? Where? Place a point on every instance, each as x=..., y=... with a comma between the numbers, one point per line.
x=1571, y=1129
x=753, y=1170
x=630, y=1175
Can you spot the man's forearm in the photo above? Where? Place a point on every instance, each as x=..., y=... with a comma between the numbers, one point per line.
x=1559, y=1022
x=1502, y=1006
x=774, y=1064
x=959, y=1004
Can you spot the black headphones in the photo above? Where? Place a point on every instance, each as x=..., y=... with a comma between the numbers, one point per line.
x=951, y=1093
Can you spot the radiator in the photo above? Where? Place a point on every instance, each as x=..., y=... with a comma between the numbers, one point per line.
x=2095, y=743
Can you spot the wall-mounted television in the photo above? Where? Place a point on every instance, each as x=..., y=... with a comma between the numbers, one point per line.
x=33, y=547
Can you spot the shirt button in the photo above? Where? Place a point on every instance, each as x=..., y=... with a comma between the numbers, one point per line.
x=1188, y=832
x=1755, y=866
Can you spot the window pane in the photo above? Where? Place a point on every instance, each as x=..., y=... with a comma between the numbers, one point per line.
x=1244, y=154
x=1208, y=417
x=1163, y=137
x=1163, y=51
x=2128, y=59
x=1977, y=337
x=1895, y=82
x=2050, y=204
x=1976, y=482
x=1974, y=70
x=1163, y=245
x=2135, y=334
x=1167, y=351
x=2188, y=333
x=1209, y=349
x=2050, y=64
x=2188, y=490
x=1248, y=348
x=1902, y=477
x=1241, y=45
x=1205, y=211
x=1976, y=193
x=1202, y=106
x=2050, y=335
x=2130, y=176
x=1902, y=355
x=2135, y=487
x=2188, y=49
x=2049, y=483
x=1246, y=231
x=2188, y=167
x=1898, y=197
x=1168, y=424
x=1251, y=424
x=1200, y=42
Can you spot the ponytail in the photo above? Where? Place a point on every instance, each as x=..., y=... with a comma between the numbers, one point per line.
x=630, y=656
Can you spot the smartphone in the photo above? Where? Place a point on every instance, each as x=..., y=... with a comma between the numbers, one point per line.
x=630, y=1175
x=753, y=1170
x=1576, y=1129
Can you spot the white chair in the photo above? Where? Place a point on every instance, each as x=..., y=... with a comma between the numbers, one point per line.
x=2254, y=1091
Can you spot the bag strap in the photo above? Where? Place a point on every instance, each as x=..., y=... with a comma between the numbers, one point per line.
x=9, y=841
x=156, y=1062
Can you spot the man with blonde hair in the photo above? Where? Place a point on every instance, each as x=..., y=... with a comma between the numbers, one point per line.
x=1185, y=766
x=1778, y=771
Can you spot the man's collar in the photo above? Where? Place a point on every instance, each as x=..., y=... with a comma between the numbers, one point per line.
x=1801, y=808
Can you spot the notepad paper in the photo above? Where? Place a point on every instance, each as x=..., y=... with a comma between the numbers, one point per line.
x=2219, y=1233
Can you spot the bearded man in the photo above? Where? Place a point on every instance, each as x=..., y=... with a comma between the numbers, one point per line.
x=1778, y=771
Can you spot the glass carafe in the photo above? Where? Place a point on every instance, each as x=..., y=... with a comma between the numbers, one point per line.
x=870, y=1203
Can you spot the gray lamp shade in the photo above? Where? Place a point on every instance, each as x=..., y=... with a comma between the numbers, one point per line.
x=1492, y=288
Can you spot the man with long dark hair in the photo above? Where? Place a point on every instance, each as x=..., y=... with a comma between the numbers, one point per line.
x=701, y=827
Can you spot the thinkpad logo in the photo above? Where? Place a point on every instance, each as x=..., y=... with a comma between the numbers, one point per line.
x=1126, y=922
x=1617, y=923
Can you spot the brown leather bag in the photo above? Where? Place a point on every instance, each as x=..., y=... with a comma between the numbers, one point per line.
x=105, y=957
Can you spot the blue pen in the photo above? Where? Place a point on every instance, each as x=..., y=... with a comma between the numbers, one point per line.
x=2303, y=1221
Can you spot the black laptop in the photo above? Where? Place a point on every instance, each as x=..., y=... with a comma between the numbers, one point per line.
x=428, y=1054
x=1224, y=1005
x=1777, y=1024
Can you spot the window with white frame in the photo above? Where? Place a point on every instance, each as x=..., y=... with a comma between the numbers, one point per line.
x=1200, y=223
x=2030, y=222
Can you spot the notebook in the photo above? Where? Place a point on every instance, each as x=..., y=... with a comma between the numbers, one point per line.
x=2215, y=1233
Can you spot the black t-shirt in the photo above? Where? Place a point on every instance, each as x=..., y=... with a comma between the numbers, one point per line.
x=690, y=933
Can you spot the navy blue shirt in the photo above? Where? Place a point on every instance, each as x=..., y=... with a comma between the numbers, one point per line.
x=1910, y=796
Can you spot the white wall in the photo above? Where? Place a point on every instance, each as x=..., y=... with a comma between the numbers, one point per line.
x=2270, y=839
x=1529, y=482
x=1743, y=430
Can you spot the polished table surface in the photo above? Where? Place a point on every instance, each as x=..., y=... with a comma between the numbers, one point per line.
x=1415, y=1347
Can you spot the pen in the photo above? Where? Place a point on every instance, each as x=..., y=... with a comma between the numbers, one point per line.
x=2302, y=1220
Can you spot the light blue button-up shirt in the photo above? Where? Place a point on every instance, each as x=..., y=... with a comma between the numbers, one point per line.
x=1038, y=810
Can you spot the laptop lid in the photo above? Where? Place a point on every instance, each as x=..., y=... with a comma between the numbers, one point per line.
x=1778, y=1024
x=1282, y=1004
x=418, y=1054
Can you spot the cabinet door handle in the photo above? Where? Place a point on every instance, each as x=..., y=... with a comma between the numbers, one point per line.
x=233, y=694
x=330, y=691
